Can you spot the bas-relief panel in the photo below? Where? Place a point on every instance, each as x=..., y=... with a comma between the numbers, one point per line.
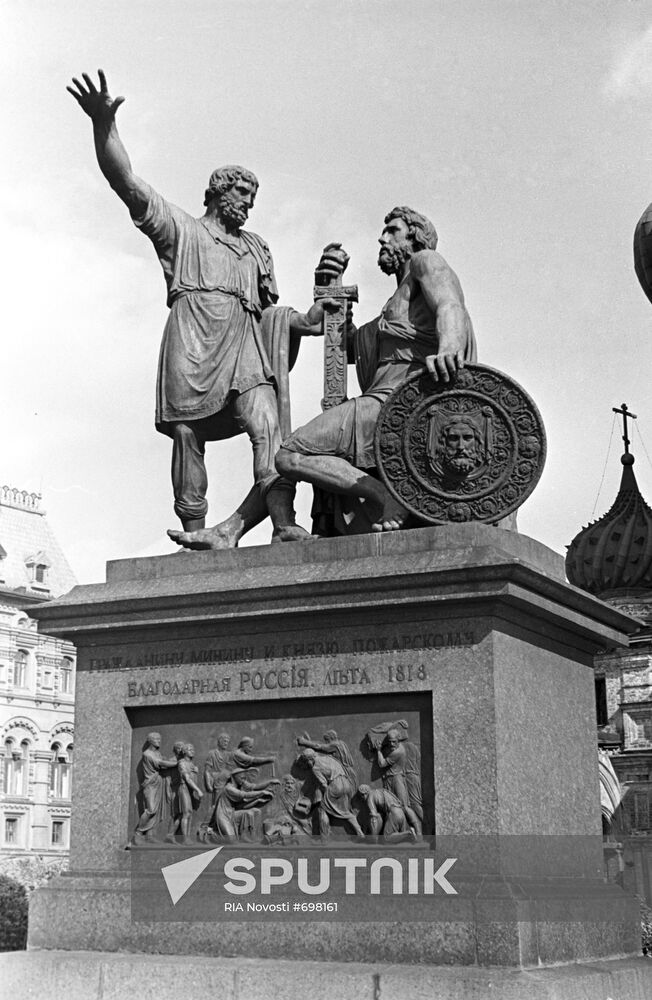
x=282, y=772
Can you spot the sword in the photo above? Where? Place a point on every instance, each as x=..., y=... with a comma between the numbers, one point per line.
x=334, y=327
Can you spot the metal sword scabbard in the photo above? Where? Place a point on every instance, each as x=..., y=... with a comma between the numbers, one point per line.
x=335, y=354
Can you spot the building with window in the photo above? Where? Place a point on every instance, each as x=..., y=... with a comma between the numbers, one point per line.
x=612, y=558
x=37, y=681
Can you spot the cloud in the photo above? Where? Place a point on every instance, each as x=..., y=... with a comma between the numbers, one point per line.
x=631, y=74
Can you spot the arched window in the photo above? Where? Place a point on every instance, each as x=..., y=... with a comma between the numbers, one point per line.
x=65, y=686
x=16, y=767
x=20, y=668
x=7, y=765
x=60, y=772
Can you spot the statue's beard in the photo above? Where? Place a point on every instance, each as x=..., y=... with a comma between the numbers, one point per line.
x=233, y=211
x=461, y=465
x=391, y=259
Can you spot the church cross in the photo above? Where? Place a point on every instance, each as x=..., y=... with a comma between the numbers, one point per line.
x=626, y=414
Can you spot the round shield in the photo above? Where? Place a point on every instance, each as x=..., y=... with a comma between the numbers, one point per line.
x=471, y=449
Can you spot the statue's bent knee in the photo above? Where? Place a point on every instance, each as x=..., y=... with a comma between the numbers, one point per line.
x=286, y=462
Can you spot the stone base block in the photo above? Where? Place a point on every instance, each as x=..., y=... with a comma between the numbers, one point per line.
x=50, y=975
x=495, y=926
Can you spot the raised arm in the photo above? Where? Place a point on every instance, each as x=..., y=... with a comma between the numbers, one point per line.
x=111, y=154
x=443, y=295
x=305, y=741
x=165, y=765
x=245, y=759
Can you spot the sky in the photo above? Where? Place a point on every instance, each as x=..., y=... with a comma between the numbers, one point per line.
x=522, y=129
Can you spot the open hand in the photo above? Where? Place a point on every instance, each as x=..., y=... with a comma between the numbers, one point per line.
x=443, y=367
x=98, y=104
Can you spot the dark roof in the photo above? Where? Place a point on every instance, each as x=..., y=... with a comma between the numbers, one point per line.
x=615, y=552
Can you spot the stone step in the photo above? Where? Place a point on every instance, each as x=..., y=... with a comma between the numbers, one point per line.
x=50, y=975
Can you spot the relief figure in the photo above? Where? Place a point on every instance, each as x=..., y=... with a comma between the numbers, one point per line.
x=282, y=824
x=336, y=748
x=237, y=812
x=330, y=792
x=405, y=763
x=399, y=763
x=184, y=789
x=152, y=787
x=385, y=816
x=218, y=767
x=244, y=757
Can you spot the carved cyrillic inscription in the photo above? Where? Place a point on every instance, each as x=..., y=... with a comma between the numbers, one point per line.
x=272, y=679
x=284, y=679
x=345, y=676
x=286, y=652
x=148, y=689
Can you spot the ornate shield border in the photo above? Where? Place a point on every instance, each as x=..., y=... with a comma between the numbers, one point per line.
x=512, y=471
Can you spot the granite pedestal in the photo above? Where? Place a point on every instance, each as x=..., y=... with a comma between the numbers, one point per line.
x=469, y=633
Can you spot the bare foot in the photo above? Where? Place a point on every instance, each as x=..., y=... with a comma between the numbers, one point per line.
x=216, y=538
x=292, y=533
x=387, y=515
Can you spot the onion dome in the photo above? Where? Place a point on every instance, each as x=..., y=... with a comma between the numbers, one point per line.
x=643, y=251
x=615, y=552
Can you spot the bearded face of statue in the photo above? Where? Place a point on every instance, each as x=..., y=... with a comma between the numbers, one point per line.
x=289, y=786
x=234, y=204
x=392, y=740
x=395, y=247
x=461, y=454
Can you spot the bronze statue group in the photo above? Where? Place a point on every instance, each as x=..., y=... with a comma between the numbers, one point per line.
x=227, y=347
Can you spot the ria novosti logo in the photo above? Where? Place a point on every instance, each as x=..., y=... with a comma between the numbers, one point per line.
x=265, y=876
